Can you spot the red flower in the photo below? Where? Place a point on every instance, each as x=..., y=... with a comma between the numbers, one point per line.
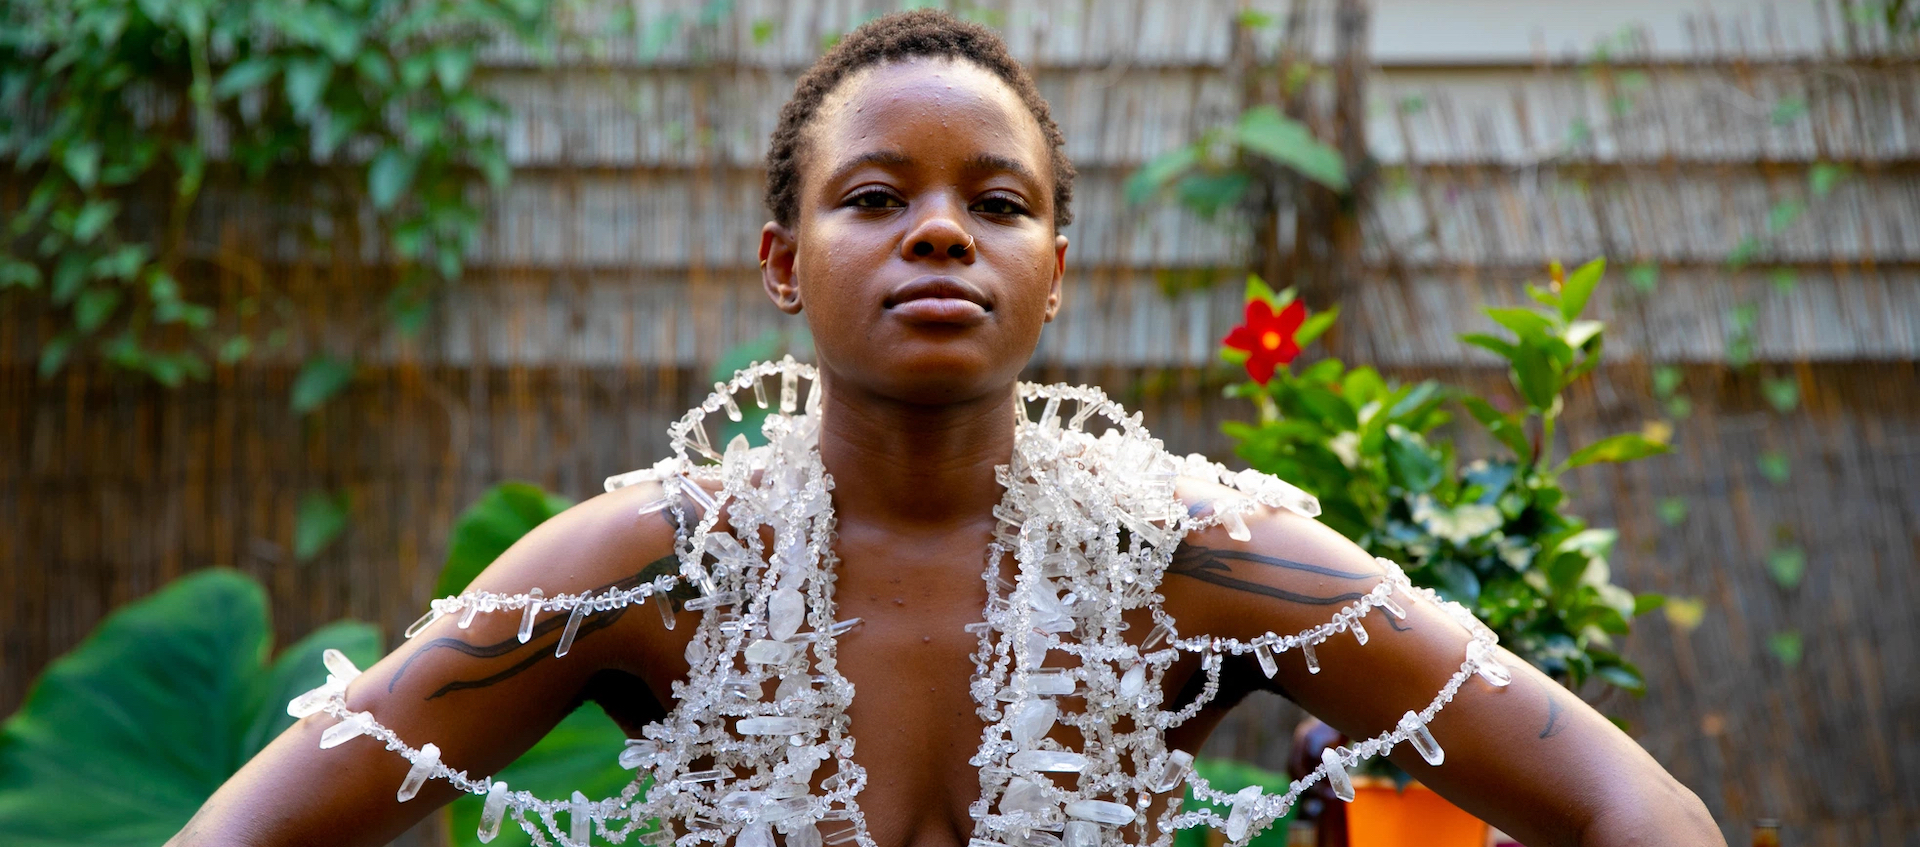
x=1267, y=338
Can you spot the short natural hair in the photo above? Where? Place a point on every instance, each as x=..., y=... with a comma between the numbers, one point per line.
x=896, y=37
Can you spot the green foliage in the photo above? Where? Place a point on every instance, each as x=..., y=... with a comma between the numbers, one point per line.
x=1787, y=646
x=1215, y=171
x=121, y=740
x=504, y=514
x=1775, y=465
x=110, y=110
x=1788, y=566
x=1673, y=510
x=1492, y=533
x=320, y=519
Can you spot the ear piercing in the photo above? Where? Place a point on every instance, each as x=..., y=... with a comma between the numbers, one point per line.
x=763, y=263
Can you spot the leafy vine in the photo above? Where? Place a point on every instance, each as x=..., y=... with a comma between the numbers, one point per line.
x=116, y=114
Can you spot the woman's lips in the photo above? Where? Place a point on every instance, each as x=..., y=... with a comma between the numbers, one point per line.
x=938, y=300
x=940, y=310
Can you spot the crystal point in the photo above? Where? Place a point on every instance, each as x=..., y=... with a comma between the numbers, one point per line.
x=467, y=614
x=1172, y=771
x=1134, y=681
x=1241, y=818
x=1393, y=607
x=339, y=665
x=423, y=766
x=1035, y=720
x=493, y=811
x=353, y=726
x=1050, y=681
x=1313, y=659
x=1422, y=739
x=423, y=622
x=1236, y=527
x=1100, y=811
x=789, y=391
x=786, y=610
x=769, y=652
x=1024, y=796
x=572, y=630
x=665, y=604
x=638, y=753
x=1359, y=632
x=773, y=726
x=534, y=597
x=580, y=819
x=804, y=835
x=1048, y=761
x=1487, y=665
x=313, y=701
x=1267, y=665
x=1082, y=834
x=1337, y=777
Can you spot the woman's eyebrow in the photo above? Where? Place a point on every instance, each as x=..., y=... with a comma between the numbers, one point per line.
x=883, y=158
x=996, y=162
x=977, y=163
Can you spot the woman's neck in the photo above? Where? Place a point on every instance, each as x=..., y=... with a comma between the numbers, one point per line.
x=913, y=466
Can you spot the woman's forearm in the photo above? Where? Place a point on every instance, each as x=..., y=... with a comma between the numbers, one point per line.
x=1661, y=813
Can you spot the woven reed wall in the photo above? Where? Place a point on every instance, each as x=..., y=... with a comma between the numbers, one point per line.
x=618, y=267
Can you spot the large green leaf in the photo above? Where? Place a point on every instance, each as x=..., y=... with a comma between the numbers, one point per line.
x=1265, y=131
x=492, y=524
x=121, y=740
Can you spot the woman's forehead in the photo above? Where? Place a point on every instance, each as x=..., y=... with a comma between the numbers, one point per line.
x=898, y=106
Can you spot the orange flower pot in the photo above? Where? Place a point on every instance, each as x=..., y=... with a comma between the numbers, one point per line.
x=1381, y=816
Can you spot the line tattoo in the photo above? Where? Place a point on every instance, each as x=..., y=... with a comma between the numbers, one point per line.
x=1554, y=727
x=541, y=651
x=1211, y=565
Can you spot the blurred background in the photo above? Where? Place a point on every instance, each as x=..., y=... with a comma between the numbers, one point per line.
x=291, y=285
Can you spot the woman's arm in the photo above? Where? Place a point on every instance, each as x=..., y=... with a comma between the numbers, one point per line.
x=1530, y=757
x=479, y=694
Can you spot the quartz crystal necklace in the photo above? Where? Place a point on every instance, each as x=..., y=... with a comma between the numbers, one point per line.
x=1090, y=523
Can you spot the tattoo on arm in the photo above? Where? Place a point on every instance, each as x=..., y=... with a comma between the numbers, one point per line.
x=1214, y=566
x=1554, y=727
x=541, y=650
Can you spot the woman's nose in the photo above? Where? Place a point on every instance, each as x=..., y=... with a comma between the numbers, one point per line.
x=939, y=233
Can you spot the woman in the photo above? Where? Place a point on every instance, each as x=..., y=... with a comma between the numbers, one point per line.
x=918, y=189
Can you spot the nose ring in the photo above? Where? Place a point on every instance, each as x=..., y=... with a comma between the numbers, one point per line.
x=959, y=250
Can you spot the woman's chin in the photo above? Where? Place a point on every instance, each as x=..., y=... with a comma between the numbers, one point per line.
x=934, y=374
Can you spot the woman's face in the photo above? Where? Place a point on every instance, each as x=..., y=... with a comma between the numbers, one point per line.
x=924, y=253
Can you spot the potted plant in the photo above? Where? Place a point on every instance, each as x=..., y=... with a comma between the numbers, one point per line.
x=1493, y=533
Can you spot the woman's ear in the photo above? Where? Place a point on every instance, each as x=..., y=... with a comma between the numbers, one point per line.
x=777, y=252
x=1059, y=270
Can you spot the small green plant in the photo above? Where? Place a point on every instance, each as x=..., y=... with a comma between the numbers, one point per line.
x=115, y=113
x=1492, y=533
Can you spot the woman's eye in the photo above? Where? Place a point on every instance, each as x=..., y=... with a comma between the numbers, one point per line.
x=999, y=206
x=874, y=200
